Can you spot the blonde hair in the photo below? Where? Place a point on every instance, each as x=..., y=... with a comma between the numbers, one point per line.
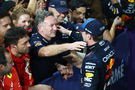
x=17, y=12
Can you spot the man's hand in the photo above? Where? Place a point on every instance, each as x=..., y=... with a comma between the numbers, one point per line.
x=66, y=71
x=64, y=30
x=117, y=21
x=114, y=1
x=77, y=46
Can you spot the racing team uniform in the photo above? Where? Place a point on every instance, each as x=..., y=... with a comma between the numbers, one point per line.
x=10, y=81
x=43, y=67
x=97, y=66
x=125, y=8
x=21, y=65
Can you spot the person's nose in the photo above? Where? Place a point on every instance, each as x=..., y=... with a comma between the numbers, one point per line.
x=9, y=26
x=27, y=24
x=28, y=44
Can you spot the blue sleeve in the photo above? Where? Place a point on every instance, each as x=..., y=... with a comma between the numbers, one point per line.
x=36, y=45
x=90, y=78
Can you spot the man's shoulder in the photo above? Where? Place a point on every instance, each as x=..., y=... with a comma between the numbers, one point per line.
x=34, y=36
x=68, y=25
x=35, y=39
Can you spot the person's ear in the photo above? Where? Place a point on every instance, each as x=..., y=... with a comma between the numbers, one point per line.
x=14, y=22
x=89, y=36
x=49, y=9
x=40, y=27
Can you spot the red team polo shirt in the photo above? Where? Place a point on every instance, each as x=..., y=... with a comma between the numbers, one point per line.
x=10, y=81
x=21, y=65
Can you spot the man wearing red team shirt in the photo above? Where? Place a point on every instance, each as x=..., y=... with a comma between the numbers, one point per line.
x=9, y=79
x=8, y=75
x=17, y=42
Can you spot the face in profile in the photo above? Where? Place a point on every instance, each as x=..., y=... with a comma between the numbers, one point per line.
x=5, y=24
x=78, y=14
x=7, y=68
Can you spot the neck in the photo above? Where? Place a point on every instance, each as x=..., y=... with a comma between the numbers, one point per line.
x=15, y=52
x=91, y=43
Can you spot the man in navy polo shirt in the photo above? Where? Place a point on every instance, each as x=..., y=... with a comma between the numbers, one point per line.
x=44, y=50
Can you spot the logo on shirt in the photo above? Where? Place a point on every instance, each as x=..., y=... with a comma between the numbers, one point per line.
x=9, y=75
x=109, y=69
x=111, y=63
x=37, y=43
x=89, y=75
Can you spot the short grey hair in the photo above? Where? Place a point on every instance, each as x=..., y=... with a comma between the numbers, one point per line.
x=40, y=16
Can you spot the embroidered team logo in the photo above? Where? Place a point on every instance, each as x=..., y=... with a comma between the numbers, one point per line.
x=89, y=75
x=109, y=69
x=77, y=32
x=9, y=75
x=111, y=63
x=37, y=43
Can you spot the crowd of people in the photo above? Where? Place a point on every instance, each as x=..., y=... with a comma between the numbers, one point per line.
x=67, y=45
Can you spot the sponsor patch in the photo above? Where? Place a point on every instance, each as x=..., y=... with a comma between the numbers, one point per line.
x=9, y=75
x=87, y=84
x=77, y=32
x=111, y=63
x=37, y=43
x=89, y=75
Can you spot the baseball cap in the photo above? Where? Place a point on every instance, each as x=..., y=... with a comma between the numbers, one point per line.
x=78, y=27
x=7, y=5
x=59, y=5
x=93, y=27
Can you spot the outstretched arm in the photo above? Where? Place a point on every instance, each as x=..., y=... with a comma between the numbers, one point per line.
x=117, y=21
x=110, y=35
x=32, y=6
x=52, y=50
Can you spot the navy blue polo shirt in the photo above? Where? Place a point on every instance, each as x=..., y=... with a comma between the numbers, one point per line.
x=58, y=83
x=42, y=67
